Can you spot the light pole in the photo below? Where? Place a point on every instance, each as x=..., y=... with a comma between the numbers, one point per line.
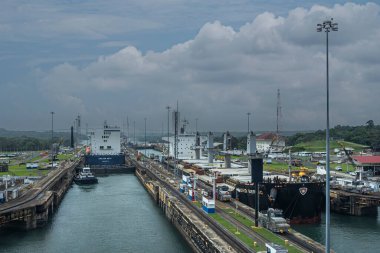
x=248, y=113
x=167, y=157
x=52, y=134
x=196, y=125
x=327, y=26
x=145, y=136
x=134, y=133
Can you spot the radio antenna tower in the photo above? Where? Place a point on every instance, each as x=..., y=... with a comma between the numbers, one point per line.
x=279, y=113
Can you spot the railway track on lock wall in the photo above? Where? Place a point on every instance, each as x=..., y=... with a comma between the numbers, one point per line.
x=293, y=239
x=222, y=232
x=34, y=193
x=299, y=243
x=302, y=244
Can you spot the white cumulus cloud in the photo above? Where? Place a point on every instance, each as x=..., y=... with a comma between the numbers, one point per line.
x=223, y=73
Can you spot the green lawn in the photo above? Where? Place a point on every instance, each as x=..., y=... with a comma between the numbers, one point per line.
x=276, y=166
x=320, y=146
x=20, y=170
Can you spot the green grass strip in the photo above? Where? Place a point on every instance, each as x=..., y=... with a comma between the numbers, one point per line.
x=268, y=235
x=231, y=228
x=64, y=156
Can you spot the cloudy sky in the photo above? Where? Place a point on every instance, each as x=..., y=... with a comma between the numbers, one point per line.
x=107, y=60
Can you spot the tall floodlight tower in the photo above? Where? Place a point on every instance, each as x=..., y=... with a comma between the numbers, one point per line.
x=175, y=118
x=87, y=134
x=134, y=133
x=327, y=26
x=279, y=113
x=52, y=136
x=127, y=130
x=248, y=114
x=145, y=136
x=167, y=157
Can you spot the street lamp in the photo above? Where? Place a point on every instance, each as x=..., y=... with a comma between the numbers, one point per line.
x=327, y=26
x=52, y=134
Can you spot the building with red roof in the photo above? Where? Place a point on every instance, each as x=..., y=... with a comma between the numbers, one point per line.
x=368, y=163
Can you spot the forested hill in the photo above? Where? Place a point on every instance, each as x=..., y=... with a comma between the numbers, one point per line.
x=30, y=140
x=33, y=134
x=368, y=134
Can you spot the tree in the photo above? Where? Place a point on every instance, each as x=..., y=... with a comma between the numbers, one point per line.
x=370, y=123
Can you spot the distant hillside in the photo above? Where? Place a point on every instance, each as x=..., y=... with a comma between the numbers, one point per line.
x=320, y=145
x=30, y=140
x=367, y=135
x=33, y=134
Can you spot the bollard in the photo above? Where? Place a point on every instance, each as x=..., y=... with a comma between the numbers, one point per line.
x=286, y=242
x=254, y=244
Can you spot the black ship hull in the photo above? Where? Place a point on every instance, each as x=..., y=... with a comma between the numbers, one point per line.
x=104, y=160
x=301, y=203
x=86, y=181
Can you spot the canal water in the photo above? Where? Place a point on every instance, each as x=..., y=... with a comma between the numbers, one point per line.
x=347, y=233
x=116, y=215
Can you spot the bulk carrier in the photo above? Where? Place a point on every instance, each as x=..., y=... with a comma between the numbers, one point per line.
x=301, y=202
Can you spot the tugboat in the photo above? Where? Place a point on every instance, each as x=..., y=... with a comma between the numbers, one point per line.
x=85, y=177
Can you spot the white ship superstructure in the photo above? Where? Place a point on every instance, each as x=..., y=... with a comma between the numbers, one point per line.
x=105, y=141
x=105, y=148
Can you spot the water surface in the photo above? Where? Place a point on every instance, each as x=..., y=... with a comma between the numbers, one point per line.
x=116, y=215
x=348, y=233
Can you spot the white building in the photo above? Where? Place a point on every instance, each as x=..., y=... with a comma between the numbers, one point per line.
x=105, y=141
x=186, y=145
x=269, y=141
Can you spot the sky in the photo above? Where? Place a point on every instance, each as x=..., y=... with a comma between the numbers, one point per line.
x=220, y=59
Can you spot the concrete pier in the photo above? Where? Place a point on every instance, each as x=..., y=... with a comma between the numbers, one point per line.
x=354, y=204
